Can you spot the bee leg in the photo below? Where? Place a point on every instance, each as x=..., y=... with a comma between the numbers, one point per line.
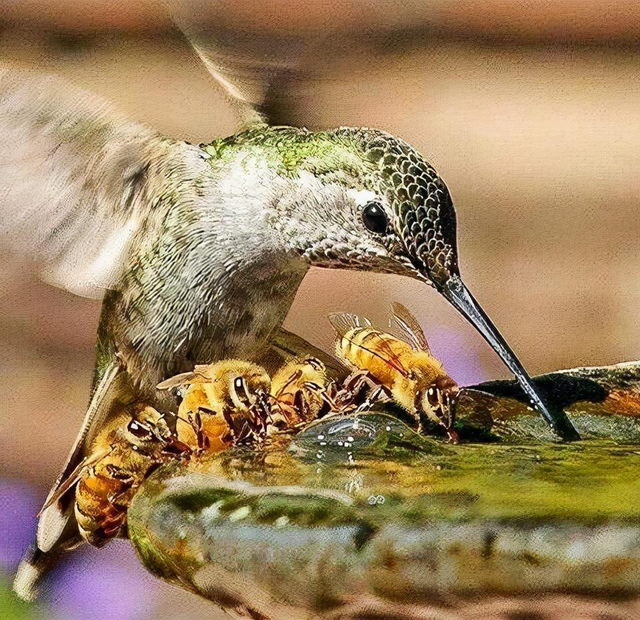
x=363, y=381
x=379, y=393
x=174, y=448
x=236, y=434
x=202, y=440
x=332, y=401
x=353, y=381
x=206, y=410
x=287, y=414
x=346, y=395
x=274, y=411
x=300, y=406
x=118, y=473
x=452, y=435
x=360, y=381
x=260, y=414
x=112, y=524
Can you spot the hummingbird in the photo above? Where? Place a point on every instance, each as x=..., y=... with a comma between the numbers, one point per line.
x=198, y=250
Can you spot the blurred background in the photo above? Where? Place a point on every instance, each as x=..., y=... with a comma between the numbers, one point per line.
x=529, y=110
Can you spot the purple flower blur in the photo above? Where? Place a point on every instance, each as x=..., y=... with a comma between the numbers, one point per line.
x=19, y=506
x=458, y=355
x=102, y=584
x=91, y=584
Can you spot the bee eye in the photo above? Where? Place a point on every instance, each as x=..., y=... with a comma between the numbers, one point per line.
x=139, y=430
x=432, y=396
x=316, y=364
x=241, y=391
x=374, y=218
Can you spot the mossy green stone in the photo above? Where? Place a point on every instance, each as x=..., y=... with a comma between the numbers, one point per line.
x=360, y=508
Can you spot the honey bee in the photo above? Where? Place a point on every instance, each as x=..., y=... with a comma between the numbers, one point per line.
x=224, y=403
x=297, y=391
x=415, y=379
x=120, y=457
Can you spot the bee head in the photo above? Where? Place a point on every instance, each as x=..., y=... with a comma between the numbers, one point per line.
x=245, y=388
x=438, y=402
x=147, y=427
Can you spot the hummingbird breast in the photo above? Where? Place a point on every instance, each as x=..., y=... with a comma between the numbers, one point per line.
x=159, y=331
x=212, y=279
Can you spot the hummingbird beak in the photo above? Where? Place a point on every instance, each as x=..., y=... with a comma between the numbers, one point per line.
x=460, y=298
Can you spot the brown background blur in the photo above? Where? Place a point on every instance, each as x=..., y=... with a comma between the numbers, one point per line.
x=531, y=113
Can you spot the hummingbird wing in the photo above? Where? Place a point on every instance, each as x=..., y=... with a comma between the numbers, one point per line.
x=76, y=179
x=112, y=393
x=256, y=64
x=57, y=530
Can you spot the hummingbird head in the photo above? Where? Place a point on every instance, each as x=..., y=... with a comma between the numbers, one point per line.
x=406, y=208
x=369, y=201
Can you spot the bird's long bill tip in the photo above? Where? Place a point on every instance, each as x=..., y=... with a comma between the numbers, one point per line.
x=455, y=291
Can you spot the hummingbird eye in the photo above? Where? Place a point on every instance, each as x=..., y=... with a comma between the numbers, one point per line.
x=374, y=218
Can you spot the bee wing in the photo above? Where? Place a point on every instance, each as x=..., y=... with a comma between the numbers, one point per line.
x=344, y=322
x=408, y=325
x=203, y=371
x=390, y=356
x=286, y=345
x=110, y=395
x=75, y=180
x=177, y=381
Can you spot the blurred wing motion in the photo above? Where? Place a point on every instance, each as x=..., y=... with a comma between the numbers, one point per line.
x=256, y=63
x=76, y=179
x=408, y=325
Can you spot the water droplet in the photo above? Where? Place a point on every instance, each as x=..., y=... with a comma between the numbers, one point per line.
x=281, y=521
x=240, y=513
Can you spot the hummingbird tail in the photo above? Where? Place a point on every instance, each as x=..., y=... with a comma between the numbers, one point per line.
x=34, y=565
